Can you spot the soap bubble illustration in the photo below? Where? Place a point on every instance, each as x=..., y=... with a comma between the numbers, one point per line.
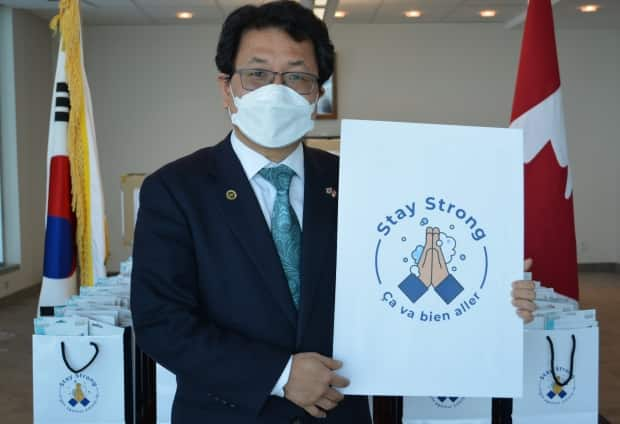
x=423, y=221
x=453, y=269
x=403, y=238
x=414, y=270
x=452, y=227
x=448, y=245
x=462, y=257
x=405, y=259
x=417, y=252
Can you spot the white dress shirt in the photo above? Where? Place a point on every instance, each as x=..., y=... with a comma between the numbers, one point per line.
x=252, y=162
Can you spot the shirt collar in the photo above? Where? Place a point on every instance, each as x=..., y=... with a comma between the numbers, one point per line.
x=252, y=161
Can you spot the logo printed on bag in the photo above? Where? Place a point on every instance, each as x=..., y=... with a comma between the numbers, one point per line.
x=447, y=402
x=78, y=393
x=553, y=393
x=433, y=267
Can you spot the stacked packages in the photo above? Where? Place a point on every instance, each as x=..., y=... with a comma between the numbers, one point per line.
x=106, y=302
x=86, y=366
x=561, y=351
x=558, y=312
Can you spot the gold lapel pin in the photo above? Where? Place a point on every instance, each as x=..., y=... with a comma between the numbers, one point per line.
x=231, y=195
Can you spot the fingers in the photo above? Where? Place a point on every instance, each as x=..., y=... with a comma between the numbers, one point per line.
x=524, y=291
x=440, y=258
x=333, y=395
x=429, y=238
x=523, y=296
x=440, y=271
x=435, y=237
x=427, y=256
x=315, y=412
x=425, y=267
x=524, y=304
x=330, y=363
x=429, y=241
x=524, y=284
x=338, y=381
x=526, y=316
x=526, y=294
x=439, y=265
x=330, y=399
x=313, y=383
x=527, y=265
x=326, y=404
x=333, y=378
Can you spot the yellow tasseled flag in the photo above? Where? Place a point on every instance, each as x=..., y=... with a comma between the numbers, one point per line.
x=87, y=193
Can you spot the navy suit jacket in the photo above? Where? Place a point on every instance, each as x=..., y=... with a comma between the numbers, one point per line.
x=209, y=297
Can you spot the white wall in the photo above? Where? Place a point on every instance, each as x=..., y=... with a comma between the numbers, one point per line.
x=8, y=144
x=591, y=70
x=155, y=99
x=27, y=139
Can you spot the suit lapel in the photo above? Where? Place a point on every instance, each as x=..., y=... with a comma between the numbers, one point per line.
x=243, y=215
x=318, y=230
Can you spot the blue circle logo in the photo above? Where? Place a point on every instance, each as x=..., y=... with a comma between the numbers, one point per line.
x=431, y=260
x=553, y=393
x=78, y=393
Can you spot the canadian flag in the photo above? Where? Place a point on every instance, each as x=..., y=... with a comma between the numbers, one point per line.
x=537, y=109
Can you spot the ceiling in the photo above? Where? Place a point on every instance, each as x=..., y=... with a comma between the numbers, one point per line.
x=158, y=12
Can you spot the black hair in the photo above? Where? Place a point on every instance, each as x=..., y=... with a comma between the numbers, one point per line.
x=297, y=21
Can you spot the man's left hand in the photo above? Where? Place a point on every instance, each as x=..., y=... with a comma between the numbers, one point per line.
x=523, y=296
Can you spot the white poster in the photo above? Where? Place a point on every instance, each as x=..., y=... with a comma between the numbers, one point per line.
x=430, y=238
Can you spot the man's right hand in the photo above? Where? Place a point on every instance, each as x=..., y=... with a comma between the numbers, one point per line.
x=312, y=381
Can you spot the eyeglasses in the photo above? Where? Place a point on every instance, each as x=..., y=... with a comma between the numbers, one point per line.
x=302, y=82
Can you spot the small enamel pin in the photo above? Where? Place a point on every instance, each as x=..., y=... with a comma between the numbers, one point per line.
x=231, y=195
x=331, y=192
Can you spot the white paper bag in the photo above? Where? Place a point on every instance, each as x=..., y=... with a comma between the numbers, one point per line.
x=78, y=379
x=166, y=389
x=446, y=410
x=545, y=401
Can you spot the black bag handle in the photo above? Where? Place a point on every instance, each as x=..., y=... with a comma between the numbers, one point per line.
x=572, y=362
x=64, y=358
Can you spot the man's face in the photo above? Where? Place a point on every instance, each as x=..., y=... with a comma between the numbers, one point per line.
x=274, y=50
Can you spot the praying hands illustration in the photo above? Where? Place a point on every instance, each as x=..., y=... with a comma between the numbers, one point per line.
x=433, y=272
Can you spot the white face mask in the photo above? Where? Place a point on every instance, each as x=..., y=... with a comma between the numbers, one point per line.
x=273, y=116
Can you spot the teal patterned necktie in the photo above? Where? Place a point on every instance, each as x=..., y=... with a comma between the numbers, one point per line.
x=285, y=228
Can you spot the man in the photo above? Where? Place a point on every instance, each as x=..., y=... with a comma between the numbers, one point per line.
x=226, y=293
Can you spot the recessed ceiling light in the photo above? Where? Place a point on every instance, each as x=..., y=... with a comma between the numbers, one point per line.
x=488, y=13
x=413, y=13
x=320, y=3
x=340, y=14
x=319, y=12
x=185, y=15
x=589, y=8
